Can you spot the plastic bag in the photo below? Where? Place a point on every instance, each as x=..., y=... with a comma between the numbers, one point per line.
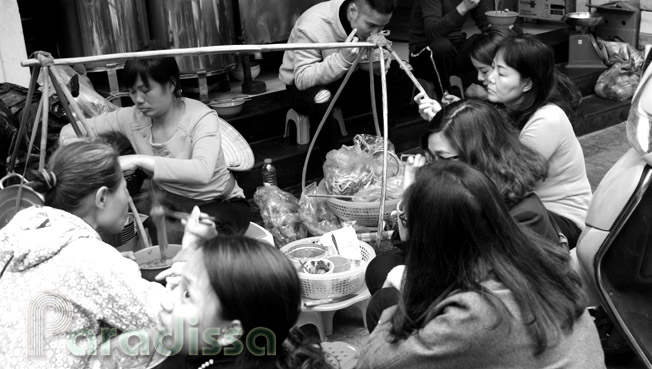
x=315, y=213
x=620, y=52
x=619, y=82
x=353, y=168
x=394, y=190
x=348, y=170
x=89, y=101
x=371, y=143
x=280, y=213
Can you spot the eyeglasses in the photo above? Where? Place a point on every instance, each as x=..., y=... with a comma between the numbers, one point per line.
x=436, y=157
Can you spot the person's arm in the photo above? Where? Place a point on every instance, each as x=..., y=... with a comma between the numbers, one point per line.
x=311, y=68
x=543, y=132
x=479, y=16
x=439, y=24
x=206, y=146
x=103, y=124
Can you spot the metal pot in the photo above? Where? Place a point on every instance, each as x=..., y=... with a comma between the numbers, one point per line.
x=194, y=23
x=14, y=198
x=98, y=27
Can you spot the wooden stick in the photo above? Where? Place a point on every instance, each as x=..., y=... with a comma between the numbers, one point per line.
x=66, y=105
x=323, y=119
x=44, y=124
x=224, y=49
x=407, y=71
x=139, y=223
x=23, y=118
x=71, y=101
x=383, y=182
x=372, y=89
x=331, y=196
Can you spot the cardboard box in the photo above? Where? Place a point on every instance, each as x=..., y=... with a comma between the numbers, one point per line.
x=545, y=9
x=645, y=31
x=646, y=4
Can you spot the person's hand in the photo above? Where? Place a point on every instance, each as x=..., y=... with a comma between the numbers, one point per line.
x=413, y=163
x=395, y=277
x=350, y=53
x=197, y=230
x=466, y=5
x=172, y=275
x=428, y=107
x=129, y=163
x=449, y=99
x=129, y=255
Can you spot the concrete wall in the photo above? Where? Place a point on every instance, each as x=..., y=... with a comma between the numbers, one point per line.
x=12, y=45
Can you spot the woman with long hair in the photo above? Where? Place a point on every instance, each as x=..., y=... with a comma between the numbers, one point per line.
x=474, y=132
x=539, y=99
x=58, y=281
x=178, y=143
x=477, y=292
x=245, y=293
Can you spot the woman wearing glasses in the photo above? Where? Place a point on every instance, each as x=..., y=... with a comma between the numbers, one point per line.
x=478, y=291
x=474, y=132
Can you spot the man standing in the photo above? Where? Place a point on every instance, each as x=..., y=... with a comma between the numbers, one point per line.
x=438, y=47
x=313, y=76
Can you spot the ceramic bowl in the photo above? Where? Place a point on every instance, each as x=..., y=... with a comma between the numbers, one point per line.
x=238, y=74
x=501, y=17
x=227, y=108
x=306, y=252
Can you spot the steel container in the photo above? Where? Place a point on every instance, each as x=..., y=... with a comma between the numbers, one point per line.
x=194, y=23
x=98, y=27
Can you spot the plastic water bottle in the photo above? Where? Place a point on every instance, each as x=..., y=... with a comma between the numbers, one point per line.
x=269, y=173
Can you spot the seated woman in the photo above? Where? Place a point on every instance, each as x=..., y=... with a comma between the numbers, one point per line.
x=474, y=132
x=54, y=266
x=539, y=99
x=235, y=307
x=477, y=291
x=482, y=54
x=178, y=142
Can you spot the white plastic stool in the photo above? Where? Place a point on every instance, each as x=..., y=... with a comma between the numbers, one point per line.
x=303, y=124
x=321, y=316
x=340, y=354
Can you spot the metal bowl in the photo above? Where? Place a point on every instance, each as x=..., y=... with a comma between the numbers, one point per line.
x=228, y=107
x=582, y=19
x=501, y=17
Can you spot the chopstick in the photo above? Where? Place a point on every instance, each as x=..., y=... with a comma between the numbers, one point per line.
x=335, y=243
x=139, y=223
x=181, y=215
x=351, y=35
x=331, y=196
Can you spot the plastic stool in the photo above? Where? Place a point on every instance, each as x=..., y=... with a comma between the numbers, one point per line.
x=303, y=124
x=340, y=354
x=321, y=316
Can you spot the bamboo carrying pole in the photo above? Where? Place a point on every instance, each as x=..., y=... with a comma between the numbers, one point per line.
x=194, y=51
